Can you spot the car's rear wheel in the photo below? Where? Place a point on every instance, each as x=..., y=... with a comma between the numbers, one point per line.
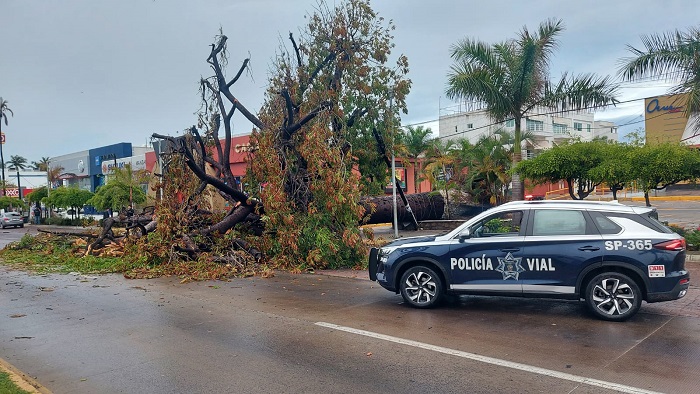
x=613, y=296
x=421, y=287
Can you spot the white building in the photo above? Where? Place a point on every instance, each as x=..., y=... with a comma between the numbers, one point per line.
x=30, y=180
x=548, y=128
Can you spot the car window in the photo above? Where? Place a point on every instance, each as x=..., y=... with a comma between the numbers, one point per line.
x=501, y=224
x=559, y=222
x=646, y=220
x=605, y=225
x=12, y=214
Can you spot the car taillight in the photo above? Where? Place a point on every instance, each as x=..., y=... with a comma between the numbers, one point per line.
x=676, y=244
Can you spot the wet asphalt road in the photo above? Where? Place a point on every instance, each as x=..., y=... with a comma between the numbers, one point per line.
x=106, y=334
x=82, y=334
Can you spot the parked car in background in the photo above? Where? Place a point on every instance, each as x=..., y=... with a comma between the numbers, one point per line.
x=11, y=219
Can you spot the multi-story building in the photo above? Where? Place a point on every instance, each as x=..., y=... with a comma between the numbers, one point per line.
x=547, y=127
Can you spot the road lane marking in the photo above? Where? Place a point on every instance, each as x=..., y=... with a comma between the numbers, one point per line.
x=494, y=361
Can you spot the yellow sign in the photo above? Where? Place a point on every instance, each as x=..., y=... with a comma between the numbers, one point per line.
x=665, y=119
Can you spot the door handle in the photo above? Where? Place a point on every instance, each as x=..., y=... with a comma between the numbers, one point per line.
x=588, y=248
x=510, y=250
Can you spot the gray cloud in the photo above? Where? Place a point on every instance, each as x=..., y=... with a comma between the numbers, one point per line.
x=80, y=74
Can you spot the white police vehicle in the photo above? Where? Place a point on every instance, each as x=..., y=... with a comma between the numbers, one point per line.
x=611, y=255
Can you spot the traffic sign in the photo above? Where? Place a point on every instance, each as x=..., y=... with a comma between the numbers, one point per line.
x=2, y=138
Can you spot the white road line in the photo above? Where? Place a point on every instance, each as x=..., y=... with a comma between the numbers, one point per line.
x=494, y=361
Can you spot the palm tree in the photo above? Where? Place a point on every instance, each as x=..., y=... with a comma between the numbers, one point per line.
x=4, y=110
x=41, y=165
x=415, y=141
x=440, y=167
x=512, y=79
x=675, y=52
x=17, y=163
x=53, y=174
x=489, y=169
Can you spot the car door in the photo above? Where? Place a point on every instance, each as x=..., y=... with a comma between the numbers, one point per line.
x=559, y=245
x=489, y=258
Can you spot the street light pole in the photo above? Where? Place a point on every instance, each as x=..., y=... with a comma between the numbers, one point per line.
x=393, y=180
x=393, y=166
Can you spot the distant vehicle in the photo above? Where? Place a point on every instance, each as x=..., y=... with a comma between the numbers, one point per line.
x=611, y=255
x=11, y=219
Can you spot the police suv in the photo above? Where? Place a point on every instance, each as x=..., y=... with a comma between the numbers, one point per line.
x=611, y=255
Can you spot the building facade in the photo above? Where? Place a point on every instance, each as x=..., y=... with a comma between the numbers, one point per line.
x=89, y=169
x=547, y=128
x=29, y=180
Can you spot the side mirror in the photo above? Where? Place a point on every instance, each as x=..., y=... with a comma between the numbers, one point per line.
x=464, y=235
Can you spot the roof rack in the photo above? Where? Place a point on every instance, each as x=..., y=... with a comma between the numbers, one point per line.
x=563, y=202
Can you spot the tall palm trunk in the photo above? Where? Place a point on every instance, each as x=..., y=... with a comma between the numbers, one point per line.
x=2, y=162
x=19, y=187
x=417, y=167
x=518, y=189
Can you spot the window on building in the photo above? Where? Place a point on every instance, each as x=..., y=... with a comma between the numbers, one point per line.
x=534, y=125
x=588, y=128
x=455, y=129
x=510, y=123
x=470, y=125
x=560, y=128
x=578, y=126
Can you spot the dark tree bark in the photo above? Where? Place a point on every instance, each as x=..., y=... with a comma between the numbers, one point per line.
x=425, y=206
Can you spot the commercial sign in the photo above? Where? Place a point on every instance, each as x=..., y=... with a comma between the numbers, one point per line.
x=666, y=121
x=137, y=163
x=12, y=192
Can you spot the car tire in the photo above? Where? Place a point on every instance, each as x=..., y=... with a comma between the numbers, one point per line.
x=613, y=296
x=421, y=287
x=3, y=226
x=21, y=226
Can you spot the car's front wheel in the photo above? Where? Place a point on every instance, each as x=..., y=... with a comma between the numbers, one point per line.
x=421, y=287
x=613, y=296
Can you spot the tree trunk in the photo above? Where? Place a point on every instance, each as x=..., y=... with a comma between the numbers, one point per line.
x=2, y=163
x=518, y=192
x=425, y=206
x=646, y=198
x=416, y=169
x=19, y=187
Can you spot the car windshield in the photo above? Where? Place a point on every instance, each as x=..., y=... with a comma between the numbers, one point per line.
x=12, y=214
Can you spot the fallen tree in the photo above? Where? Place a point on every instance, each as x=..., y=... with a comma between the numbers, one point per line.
x=326, y=94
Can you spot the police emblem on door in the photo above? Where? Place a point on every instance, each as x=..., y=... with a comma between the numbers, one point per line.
x=510, y=266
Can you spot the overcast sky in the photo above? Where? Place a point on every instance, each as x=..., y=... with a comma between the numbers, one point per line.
x=81, y=74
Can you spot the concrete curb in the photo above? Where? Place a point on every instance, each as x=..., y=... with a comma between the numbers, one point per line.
x=21, y=379
x=666, y=198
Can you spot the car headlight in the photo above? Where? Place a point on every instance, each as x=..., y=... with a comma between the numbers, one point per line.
x=385, y=252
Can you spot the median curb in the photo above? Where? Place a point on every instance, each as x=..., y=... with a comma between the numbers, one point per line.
x=22, y=380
